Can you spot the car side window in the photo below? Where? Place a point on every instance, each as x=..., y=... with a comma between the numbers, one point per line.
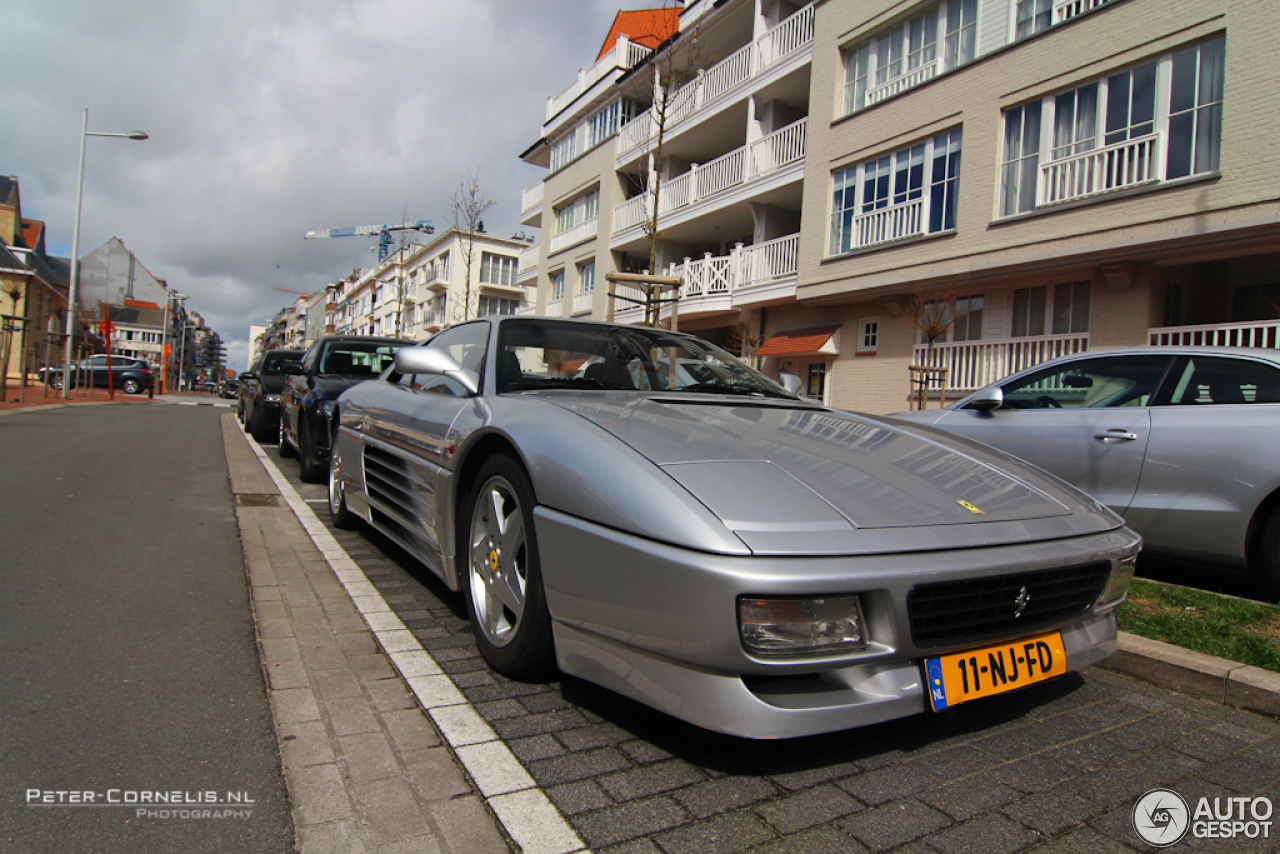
x=309, y=357
x=1090, y=383
x=466, y=343
x=1219, y=381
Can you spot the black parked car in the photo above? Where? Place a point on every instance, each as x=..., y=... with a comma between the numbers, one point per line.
x=329, y=367
x=230, y=389
x=261, y=385
x=130, y=375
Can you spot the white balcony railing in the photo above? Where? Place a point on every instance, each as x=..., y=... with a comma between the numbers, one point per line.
x=1260, y=333
x=902, y=82
x=531, y=198
x=897, y=222
x=763, y=157
x=528, y=258
x=1065, y=10
x=579, y=233
x=555, y=307
x=784, y=40
x=719, y=277
x=1103, y=170
x=582, y=302
x=624, y=54
x=973, y=364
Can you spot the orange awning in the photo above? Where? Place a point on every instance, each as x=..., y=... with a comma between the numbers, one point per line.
x=798, y=342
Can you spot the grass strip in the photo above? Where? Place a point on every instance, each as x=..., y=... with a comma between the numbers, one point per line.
x=1236, y=629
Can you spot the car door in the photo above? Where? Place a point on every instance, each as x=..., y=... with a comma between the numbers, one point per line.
x=98, y=372
x=295, y=389
x=1086, y=420
x=1212, y=458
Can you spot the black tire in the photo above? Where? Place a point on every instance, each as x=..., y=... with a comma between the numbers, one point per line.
x=339, y=515
x=313, y=468
x=284, y=449
x=502, y=581
x=255, y=426
x=130, y=386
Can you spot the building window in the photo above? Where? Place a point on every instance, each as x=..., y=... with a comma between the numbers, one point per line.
x=1035, y=16
x=587, y=277
x=908, y=55
x=591, y=206
x=869, y=335
x=557, y=285
x=1108, y=135
x=883, y=200
x=496, y=305
x=565, y=150
x=497, y=269
x=817, y=380
x=1062, y=310
x=606, y=122
x=968, y=314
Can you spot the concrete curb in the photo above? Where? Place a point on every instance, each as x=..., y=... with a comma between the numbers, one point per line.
x=1208, y=677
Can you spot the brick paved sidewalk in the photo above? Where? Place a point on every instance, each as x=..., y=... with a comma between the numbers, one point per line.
x=367, y=770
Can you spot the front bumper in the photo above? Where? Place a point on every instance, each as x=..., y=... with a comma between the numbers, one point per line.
x=659, y=624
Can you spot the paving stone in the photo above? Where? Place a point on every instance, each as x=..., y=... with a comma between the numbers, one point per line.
x=370, y=668
x=824, y=772
x=990, y=834
x=287, y=674
x=820, y=840
x=1090, y=754
x=724, y=795
x=389, y=695
x=499, y=709
x=577, y=766
x=1053, y=812
x=580, y=797
x=391, y=809
x=474, y=678
x=318, y=795
x=336, y=684
x=294, y=705
x=368, y=757
x=351, y=716
x=1241, y=776
x=341, y=837
x=957, y=762
x=887, y=784
x=964, y=799
x=1034, y=774
x=466, y=826
x=357, y=644
x=303, y=744
x=536, y=747
x=434, y=774
x=410, y=730
x=650, y=780
x=888, y=827
x=806, y=809
x=728, y=834
x=628, y=821
x=635, y=846
x=538, y=724
x=644, y=752
x=1209, y=746
x=593, y=735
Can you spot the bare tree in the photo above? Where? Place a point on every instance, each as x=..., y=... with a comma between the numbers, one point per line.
x=669, y=96
x=928, y=312
x=468, y=205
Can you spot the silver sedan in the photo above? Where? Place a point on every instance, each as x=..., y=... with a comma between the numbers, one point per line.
x=638, y=508
x=1181, y=441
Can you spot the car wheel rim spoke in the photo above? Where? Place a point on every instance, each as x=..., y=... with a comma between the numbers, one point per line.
x=497, y=556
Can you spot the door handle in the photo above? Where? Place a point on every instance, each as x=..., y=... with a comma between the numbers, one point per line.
x=1117, y=433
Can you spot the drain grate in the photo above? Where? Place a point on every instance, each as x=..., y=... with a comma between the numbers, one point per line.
x=257, y=500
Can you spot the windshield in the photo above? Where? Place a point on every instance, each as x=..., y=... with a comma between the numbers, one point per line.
x=358, y=358
x=541, y=354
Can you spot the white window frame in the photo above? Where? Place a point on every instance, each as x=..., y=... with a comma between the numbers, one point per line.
x=498, y=269
x=868, y=336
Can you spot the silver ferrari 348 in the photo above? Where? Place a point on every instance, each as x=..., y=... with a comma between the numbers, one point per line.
x=638, y=508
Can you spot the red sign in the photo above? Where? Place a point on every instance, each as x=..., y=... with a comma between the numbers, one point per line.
x=168, y=349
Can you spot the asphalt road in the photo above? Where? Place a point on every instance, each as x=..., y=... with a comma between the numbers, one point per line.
x=127, y=656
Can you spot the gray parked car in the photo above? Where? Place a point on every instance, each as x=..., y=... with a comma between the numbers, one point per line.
x=711, y=545
x=1181, y=441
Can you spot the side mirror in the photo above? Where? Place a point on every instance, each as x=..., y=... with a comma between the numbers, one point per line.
x=791, y=383
x=987, y=399
x=292, y=369
x=248, y=375
x=434, y=361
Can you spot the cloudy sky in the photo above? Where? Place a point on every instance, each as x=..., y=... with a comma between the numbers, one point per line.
x=269, y=118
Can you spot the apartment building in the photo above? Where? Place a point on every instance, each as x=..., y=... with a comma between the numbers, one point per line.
x=1048, y=176
x=708, y=131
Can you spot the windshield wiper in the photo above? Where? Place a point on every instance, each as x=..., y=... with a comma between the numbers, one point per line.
x=529, y=384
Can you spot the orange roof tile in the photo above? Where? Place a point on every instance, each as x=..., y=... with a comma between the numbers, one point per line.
x=140, y=303
x=31, y=229
x=648, y=27
x=797, y=341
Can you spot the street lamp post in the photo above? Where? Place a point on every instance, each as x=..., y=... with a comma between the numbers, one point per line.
x=74, y=284
x=164, y=337
x=182, y=349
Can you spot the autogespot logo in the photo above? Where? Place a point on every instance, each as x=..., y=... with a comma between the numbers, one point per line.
x=1161, y=817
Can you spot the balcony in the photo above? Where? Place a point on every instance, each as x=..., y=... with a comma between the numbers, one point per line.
x=621, y=56
x=582, y=302
x=738, y=168
x=531, y=205
x=1065, y=10
x=1105, y=170
x=897, y=222
x=748, y=275
x=726, y=77
x=527, y=268
x=972, y=365
x=1259, y=333
x=555, y=307
x=902, y=82
x=580, y=233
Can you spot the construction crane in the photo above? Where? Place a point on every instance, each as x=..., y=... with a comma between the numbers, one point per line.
x=299, y=293
x=383, y=232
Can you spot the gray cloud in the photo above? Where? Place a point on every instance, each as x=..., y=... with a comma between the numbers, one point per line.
x=270, y=118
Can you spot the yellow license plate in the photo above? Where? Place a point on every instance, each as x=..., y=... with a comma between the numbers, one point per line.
x=962, y=676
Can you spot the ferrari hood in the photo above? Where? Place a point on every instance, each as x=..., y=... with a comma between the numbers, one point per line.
x=773, y=472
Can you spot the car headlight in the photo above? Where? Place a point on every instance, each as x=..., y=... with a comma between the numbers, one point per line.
x=271, y=398
x=1117, y=589
x=827, y=624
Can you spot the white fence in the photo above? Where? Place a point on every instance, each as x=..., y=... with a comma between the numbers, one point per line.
x=1103, y=170
x=973, y=364
x=531, y=198
x=902, y=82
x=582, y=302
x=1065, y=10
x=888, y=224
x=579, y=233
x=1265, y=333
x=624, y=54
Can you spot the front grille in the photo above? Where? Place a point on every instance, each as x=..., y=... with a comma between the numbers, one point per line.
x=981, y=609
